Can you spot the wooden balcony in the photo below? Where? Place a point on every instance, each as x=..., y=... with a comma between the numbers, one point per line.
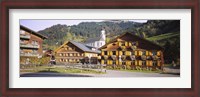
x=29, y=54
x=25, y=36
x=29, y=46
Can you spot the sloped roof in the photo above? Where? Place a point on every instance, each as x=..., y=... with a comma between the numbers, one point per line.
x=82, y=46
x=33, y=32
x=145, y=44
x=90, y=40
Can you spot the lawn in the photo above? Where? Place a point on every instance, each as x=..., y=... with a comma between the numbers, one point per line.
x=59, y=70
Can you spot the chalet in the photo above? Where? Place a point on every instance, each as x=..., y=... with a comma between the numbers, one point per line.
x=98, y=41
x=75, y=52
x=132, y=51
x=30, y=43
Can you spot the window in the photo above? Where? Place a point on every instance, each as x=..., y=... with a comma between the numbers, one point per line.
x=105, y=53
x=143, y=52
x=114, y=62
x=22, y=32
x=133, y=53
x=70, y=54
x=134, y=43
x=114, y=52
x=34, y=42
x=60, y=54
x=34, y=51
x=154, y=53
x=154, y=63
x=105, y=62
x=143, y=63
x=133, y=63
x=122, y=44
x=123, y=63
x=123, y=52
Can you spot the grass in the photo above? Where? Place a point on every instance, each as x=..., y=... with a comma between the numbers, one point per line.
x=59, y=70
x=142, y=71
x=135, y=70
x=163, y=36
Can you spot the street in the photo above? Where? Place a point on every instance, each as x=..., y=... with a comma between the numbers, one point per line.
x=109, y=73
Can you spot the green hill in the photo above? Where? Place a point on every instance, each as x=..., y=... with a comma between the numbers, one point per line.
x=163, y=36
x=163, y=32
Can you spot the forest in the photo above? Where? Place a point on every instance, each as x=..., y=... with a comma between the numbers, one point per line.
x=165, y=33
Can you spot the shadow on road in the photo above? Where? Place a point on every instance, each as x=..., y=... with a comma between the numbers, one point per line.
x=171, y=73
x=51, y=74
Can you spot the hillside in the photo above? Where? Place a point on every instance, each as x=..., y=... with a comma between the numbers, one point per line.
x=162, y=32
x=57, y=34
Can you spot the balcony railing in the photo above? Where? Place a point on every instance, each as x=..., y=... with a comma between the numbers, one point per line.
x=25, y=36
x=29, y=46
x=29, y=54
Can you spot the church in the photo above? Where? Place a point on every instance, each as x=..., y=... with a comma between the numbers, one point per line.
x=98, y=41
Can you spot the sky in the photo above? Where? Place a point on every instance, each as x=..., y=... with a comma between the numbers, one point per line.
x=38, y=25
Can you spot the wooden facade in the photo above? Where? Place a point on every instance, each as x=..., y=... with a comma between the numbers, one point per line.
x=132, y=51
x=30, y=43
x=74, y=52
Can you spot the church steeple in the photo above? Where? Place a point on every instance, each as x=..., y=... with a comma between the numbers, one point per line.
x=103, y=35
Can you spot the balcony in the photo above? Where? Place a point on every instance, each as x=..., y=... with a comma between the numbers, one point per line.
x=30, y=46
x=25, y=36
x=29, y=54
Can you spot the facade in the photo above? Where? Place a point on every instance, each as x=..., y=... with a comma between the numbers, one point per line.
x=98, y=41
x=132, y=51
x=30, y=43
x=75, y=52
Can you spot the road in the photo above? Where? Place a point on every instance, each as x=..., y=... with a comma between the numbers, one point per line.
x=109, y=73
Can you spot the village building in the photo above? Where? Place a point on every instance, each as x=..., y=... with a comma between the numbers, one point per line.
x=132, y=51
x=30, y=43
x=98, y=41
x=75, y=52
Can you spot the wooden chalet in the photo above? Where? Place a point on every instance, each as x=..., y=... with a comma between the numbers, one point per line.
x=132, y=51
x=75, y=52
x=30, y=43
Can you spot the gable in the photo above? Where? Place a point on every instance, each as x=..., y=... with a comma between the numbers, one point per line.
x=142, y=43
x=69, y=47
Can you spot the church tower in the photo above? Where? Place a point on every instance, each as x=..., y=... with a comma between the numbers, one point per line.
x=103, y=35
x=102, y=40
x=98, y=41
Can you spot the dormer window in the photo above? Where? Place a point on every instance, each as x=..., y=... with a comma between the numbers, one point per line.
x=93, y=49
x=122, y=44
x=113, y=44
x=134, y=43
x=154, y=53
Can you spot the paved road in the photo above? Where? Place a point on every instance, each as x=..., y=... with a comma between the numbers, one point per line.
x=109, y=73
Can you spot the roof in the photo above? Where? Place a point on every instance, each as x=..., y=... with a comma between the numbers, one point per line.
x=33, y=32
x=82, y=46
x=90, y=40
x=134, y=37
